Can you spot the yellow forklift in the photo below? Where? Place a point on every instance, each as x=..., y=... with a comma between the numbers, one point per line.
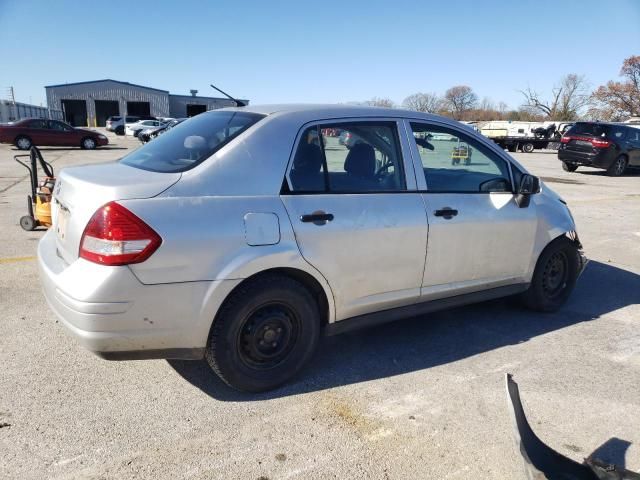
x=39, y=202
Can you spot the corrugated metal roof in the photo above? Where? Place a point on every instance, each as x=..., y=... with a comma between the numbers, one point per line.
x=106, y=80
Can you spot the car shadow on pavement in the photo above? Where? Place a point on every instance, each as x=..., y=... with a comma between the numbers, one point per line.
x=629, y=172
x=435, y=339
x=612, y=451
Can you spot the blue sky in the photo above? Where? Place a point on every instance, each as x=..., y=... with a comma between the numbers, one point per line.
x=328, y=51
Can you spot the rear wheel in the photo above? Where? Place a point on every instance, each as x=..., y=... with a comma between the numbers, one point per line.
x=569, y=167
x=618, y=167
x=88, y=143
x=264, y=333
x=554, y=277
x=527, y=147
x=23, y=142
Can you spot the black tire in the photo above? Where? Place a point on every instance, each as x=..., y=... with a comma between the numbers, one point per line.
x=119, y=130
x=554, y=277
x=264, y=333
x=618, y=166
x=528, y=147
x=22, y=142
x=28, y=223
x=569, y=167
x=511, y=148
x=88, y=143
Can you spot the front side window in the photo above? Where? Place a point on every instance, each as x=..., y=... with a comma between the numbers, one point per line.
x=355, y=157
x=59, y=126
x=454, y=162
x=191, y=142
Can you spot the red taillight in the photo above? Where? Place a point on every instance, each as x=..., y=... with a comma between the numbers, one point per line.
x=115, y=236
x=596, y=142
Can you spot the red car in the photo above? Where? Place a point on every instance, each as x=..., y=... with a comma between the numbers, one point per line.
x=41, y=132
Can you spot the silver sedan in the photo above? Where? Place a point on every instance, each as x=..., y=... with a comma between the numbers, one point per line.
x=243, y=234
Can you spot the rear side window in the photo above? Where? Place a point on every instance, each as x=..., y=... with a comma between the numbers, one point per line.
x=357, y=157
x=114, y=119
x=190, y=143
x=40, y=124
x=617, y=133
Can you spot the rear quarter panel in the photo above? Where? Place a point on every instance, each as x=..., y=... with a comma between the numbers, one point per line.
x=205, y=238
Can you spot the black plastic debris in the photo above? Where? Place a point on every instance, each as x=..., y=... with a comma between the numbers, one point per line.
x=542, y=462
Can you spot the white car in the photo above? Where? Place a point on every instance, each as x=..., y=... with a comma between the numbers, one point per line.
x=135, y=128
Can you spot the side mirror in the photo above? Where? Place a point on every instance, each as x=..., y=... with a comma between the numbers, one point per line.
x=529, y=185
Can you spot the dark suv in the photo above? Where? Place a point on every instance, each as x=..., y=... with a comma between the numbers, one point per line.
x=610, y=146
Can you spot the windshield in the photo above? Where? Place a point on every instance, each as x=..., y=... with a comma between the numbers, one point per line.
x=191, y=142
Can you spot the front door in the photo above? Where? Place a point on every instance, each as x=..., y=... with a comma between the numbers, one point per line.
x=478, y=236
x=354, y=218
x=62, y=134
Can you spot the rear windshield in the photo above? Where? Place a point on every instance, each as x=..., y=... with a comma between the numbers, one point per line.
x=594, y=129
x=191, y=142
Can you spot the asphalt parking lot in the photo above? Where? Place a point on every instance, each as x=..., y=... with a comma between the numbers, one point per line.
x=422, y=398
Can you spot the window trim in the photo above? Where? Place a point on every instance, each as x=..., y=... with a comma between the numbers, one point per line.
x=405, y=156
x=423, y=185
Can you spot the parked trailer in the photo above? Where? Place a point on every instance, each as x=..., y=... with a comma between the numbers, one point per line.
x=525, y=136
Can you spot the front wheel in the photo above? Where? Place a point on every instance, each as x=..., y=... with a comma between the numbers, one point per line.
x=554, y=277
x=264, y=333
x=569, y=167
x=88, y=143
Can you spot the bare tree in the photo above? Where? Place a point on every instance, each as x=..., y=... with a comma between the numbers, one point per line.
x=567, y=100
x=380, y=102
x=423, y=102
x=618, y=100
x=460, y=99
x=487, y=104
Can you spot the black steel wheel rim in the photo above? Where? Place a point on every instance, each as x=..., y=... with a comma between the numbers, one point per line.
x=555, y=275
x=268, y=335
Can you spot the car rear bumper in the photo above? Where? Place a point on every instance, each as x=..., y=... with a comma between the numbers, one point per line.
x=597, y=160
x=114, y=315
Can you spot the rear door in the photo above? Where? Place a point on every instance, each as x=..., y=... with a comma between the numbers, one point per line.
x=356, y=214
x=38, y=131
x=478, y=236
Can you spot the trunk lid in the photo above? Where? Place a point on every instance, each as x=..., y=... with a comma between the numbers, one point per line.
x=80, y=191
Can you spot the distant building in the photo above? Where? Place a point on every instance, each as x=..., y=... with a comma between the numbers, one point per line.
x=91, y=103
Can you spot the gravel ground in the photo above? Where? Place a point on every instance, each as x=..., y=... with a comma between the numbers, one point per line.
x=422, y=398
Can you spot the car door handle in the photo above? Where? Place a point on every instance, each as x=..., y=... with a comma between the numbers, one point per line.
x=446, y=212
x=317, y=217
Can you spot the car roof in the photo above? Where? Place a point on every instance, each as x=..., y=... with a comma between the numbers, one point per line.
x=317, y=111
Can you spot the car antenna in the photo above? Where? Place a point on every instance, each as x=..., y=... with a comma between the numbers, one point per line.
x=238, y=102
